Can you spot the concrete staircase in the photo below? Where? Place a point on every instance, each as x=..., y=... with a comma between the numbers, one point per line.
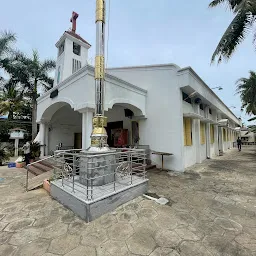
x=41, y=170
x=40, y=167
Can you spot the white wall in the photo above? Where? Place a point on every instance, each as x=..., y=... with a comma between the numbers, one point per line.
x=163, y=128
x=79, y=92
x=63, y=125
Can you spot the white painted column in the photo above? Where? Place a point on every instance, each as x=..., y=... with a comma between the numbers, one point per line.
x=196, y=137
x=221, y=145
x=216, y=140
x=86, y=128
x=42, y=137
x=16, y=147
x=207, y=133
x=46, y=148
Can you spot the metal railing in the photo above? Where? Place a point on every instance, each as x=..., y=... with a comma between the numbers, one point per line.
x=93, y=175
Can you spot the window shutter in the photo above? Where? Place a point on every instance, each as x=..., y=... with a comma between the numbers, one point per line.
x=184, y=131
x=212, y=134
x=188, y=132
x=202, y=133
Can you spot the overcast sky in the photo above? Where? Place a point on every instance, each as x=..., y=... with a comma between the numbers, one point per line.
x=141, y=32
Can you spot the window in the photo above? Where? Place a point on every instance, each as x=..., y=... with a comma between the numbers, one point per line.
x=212, y=133
x=210, y=111
x=58, y=76
x=202, y=133
x=76, y=49
x=186, y=98
x=201, y=106
x=76, y=65
x=187, y=129
x=61, y=48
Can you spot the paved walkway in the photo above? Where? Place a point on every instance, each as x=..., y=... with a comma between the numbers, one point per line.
x=211, y=212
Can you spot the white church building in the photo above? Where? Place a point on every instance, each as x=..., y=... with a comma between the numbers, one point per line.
x=165, y=107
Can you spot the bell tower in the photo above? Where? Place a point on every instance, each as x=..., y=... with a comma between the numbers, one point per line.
x=72, y=53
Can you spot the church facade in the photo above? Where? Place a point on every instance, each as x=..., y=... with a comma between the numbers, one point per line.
x=165, y=107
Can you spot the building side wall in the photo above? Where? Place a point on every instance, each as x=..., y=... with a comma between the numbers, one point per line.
x=163, y=128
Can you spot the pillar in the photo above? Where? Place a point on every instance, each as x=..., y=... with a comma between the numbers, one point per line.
x=86, y=128
x=16, y=146
x=207, y=133
x=221, y=146
x=216, y=140
x=42, y=138
x=46, y=148
x=196, y=137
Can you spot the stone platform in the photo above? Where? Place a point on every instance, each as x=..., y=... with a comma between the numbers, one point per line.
x=104, y=199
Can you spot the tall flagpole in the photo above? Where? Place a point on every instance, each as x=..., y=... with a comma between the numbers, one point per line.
x=99, y=134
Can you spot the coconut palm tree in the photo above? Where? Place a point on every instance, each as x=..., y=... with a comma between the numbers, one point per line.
x=245, y=17
x=34, y=76
x=252, y=119
x=6, y=39
x=11, y=99
x=246, y=87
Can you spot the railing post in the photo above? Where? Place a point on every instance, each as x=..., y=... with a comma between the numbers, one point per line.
x=131, y=167
x=115, y=166
x=144, y=165
x=87, y=180
x=73, y=173
x=63, y=164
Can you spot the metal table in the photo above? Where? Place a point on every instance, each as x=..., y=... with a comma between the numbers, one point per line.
x=162, y=154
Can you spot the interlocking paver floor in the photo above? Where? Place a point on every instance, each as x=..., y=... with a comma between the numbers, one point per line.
x=211, y=211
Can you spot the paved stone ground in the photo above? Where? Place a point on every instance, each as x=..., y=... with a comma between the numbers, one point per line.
x=211, y=212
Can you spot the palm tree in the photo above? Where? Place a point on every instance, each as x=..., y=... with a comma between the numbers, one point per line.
x=34, y=75
x=246, y=87
x=245, y=17
x=11, y=99
x=252, y=128
x=252, y=119
x=6, y=38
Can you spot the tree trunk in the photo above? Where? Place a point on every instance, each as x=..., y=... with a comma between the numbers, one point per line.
x=34, y=115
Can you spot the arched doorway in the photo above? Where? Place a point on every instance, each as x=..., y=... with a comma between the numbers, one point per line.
x=62, y=127
x=123, y=125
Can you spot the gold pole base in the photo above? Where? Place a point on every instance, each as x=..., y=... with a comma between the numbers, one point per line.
x=99, y=135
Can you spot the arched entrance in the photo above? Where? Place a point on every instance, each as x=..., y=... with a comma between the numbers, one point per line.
x=61, y=126
x=123, y=125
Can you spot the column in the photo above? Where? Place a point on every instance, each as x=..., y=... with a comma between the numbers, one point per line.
x=216, y=140
x=86, y=128
x=16, y=146
x=46, y=148
x=196, y=137
x=42, y=138
x=207, y=133
x=221, y=146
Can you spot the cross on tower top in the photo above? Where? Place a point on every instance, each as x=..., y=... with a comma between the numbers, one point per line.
x=73, y=20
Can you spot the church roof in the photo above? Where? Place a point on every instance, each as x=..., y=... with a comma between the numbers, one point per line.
x=77, y=36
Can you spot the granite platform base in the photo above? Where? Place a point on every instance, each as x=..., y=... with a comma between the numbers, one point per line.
x=104, y=199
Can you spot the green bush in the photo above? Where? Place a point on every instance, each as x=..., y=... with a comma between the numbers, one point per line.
x=4, y=156
x=35, y=150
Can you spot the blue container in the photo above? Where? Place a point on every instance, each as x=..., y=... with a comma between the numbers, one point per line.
x=11, y=165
